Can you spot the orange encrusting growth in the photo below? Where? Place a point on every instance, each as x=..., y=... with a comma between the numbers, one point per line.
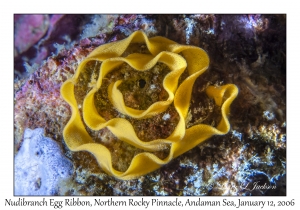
x=162, y=50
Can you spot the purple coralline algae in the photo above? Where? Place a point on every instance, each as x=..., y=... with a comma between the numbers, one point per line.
x=40, y=165
x=29, y=29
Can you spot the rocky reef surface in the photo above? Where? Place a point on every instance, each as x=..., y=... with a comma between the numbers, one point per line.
x=246, y=50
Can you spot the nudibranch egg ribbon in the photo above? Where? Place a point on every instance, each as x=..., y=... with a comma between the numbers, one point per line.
x=178, y=58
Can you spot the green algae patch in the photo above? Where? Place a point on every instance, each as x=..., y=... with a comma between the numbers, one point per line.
x=123, y=81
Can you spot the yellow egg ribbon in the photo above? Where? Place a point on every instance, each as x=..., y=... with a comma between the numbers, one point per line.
x=161, y=50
